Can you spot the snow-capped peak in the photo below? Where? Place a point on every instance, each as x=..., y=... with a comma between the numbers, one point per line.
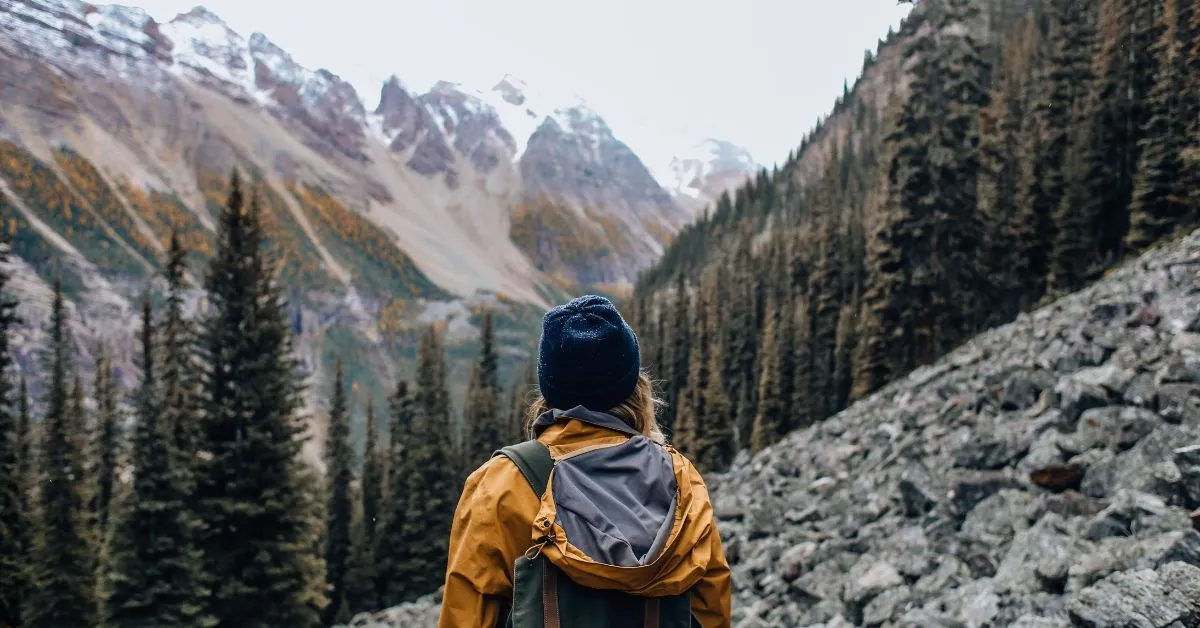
x=205, y=44
x=700, y=171
x=522, y=109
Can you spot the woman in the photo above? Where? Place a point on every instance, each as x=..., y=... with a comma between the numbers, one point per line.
x=625, y=514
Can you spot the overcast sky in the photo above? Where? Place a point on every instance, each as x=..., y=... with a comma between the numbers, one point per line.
x=661, y=72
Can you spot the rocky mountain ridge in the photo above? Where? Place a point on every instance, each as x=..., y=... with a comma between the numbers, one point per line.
x=1044, y=475
x=116, y=129
x=564, y=152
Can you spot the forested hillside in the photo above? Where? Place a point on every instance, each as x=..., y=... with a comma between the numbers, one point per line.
x=185, y=501
x=992, y=155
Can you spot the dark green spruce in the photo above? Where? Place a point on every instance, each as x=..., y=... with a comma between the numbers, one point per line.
x=253, y=491
x=339, y=478
x=391, y=551
x=64, y=586
x=154, y=579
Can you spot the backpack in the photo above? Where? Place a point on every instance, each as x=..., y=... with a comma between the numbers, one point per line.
x=544, y=597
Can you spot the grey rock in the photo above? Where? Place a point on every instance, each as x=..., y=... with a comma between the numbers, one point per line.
x=1154, y=599
x=869, y=578
x=1185, y=550
x=972, y=488
x=1142, y=392
x=1078, y=396
x=1135, y=469
x=1187, y=460
x=1129, y=511
x=1116, y=427
x=791, y=564
x=1022, y=388
x=917, y=499
x=1111, y=377
x=885, y=606
x=1179, y=403
x=1034, y=621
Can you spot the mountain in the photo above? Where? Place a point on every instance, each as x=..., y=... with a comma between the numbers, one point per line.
x=116, y=129
x=699, y=174
x=1041, y=475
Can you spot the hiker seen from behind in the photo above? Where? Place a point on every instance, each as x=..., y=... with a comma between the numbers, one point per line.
x=596, y=522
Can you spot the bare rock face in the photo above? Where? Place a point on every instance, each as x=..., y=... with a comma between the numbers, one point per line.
x=622, y=213
x=948, y=500
x=473, y=128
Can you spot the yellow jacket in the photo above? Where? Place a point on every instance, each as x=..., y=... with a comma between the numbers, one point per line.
x=494, y=525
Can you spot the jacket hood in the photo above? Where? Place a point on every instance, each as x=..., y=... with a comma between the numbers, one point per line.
x=624, y=513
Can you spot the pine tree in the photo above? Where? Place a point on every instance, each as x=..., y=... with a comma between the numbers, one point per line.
x=1074, y=243
x=1123, y=72
x=180, y=415
x=107, y=444
x=928, y=219
x=826, y=295
x=785, y=302
x=64, y=588
x=391, y=552
x=155, y=578
x=769, y=421
x=1160, y=202
x=801, y=414
x=1060, y=79
x=679, y=347
x=691, y=406
x=432, y=487
x=339, y=469
x=713, y=440
x=738, y=373
x=885, y=340
x=372, y=476
x=14, y=506
x=253, y=491
x=1190, y=156
x=843, y=354
x=957, y=227
x=360, y=592
x=485, y=431
x=999, y=173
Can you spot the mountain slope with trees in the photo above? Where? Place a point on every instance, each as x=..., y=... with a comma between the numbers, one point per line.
x=991, y=156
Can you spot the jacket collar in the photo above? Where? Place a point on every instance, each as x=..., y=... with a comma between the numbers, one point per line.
x=580, y=413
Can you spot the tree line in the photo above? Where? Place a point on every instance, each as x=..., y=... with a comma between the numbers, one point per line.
x=1015, y=166
x=198, y=509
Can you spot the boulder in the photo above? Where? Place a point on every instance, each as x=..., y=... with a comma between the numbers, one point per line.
x=1168, y=597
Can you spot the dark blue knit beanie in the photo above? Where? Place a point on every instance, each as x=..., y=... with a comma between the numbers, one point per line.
x=588, y=356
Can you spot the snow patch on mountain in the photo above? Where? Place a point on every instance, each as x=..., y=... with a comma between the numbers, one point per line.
x=699, y=172
x=205, y=44
x=522, y=110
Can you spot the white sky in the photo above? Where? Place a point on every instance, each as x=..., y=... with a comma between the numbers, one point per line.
x=663, y=73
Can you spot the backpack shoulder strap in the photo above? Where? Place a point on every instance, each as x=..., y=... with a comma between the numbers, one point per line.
x=532, y=457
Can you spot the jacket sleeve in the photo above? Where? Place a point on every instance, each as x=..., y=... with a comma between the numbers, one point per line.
x=712, y=596
x=712, y=604
x=490, y=530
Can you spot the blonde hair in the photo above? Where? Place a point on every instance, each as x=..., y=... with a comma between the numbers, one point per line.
x=639, y=411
